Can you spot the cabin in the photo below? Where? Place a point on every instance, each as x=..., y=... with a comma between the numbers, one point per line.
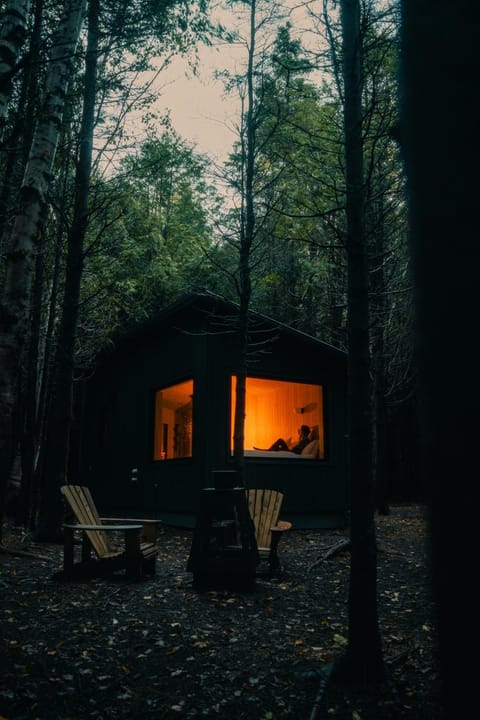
x=158, y=414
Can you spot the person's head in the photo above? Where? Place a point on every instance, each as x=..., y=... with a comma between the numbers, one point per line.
x=304, y=431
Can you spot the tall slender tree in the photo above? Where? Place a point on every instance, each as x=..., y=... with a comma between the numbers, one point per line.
x=261, y=15
x=247, y=236
x=60, y=422
x=363, y=659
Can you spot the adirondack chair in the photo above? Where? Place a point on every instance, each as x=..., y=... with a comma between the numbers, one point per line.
x=139, y=553
x=264, y=507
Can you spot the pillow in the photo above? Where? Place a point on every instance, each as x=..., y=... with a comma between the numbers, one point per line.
x=310, y=449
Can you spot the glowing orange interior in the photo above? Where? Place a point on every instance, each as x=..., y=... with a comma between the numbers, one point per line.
x=276, y=409
x=173, y=421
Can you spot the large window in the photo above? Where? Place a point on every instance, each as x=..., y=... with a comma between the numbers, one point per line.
x=277, y=409
x=173, y=422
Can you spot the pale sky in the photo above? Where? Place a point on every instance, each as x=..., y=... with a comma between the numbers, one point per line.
x=199, y=108
x=201, y=112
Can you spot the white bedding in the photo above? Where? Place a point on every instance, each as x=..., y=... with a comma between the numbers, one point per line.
x=277, y=453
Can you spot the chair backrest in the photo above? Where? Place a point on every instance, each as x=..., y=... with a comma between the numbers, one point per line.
x=81, y=502
x=264, y=506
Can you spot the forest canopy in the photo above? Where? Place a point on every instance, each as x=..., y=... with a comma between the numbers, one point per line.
x=107, y=214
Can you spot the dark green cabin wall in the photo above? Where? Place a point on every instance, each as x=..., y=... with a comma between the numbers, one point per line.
x=312, y=488
x=123, y=391
x=128, y=436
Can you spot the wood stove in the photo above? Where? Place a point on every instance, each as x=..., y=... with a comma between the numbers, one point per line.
x=224, y=550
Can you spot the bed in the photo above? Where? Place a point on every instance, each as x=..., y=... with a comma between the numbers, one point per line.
x=310, y=452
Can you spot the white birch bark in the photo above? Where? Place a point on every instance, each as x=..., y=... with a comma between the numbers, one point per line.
x=15, y=305
x=13, y=31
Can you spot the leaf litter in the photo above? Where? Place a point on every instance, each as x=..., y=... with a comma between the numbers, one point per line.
x=106, y=649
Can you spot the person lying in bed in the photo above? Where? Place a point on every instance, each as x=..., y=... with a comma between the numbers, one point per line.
x=303, y=440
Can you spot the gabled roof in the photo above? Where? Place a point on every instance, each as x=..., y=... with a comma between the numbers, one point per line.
x=216, y=307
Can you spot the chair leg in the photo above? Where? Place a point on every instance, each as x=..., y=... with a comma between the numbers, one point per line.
x=149, y=566
x=86, y=548
x=133, y=558
x=273, y=556
x=68, y=545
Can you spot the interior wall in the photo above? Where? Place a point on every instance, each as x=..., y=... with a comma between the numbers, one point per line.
x=277, y=408
x=173, y=409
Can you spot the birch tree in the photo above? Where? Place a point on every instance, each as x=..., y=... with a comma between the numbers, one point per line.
x=13, y=31
x=28, y=218
x=57, y=450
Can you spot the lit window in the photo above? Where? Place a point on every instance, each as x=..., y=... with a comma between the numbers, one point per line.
x=173, y=422
x=277, y=409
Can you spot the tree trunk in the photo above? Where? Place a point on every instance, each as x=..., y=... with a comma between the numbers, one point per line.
x=28, y=444
x=44, y=393
x=247, y=231
x=439, y=137
x=379, y=313
x=15, y=305
x=60, y=422
x=17, y=145
x=363, y=659
x=13, y=32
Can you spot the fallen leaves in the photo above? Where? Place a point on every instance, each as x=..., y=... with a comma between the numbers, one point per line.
x=111, y=650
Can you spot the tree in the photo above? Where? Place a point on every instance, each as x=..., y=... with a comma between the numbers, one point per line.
x=292, y=268
x=60, y=419
x=148, y=241
x=385, y=221
x=19, y=123
x=247, y=237
x=363, y=658
x=385, y=227
x=165, y=25
x=245, y=181
x=28, y=219
x=13, y=31
x=439, y=138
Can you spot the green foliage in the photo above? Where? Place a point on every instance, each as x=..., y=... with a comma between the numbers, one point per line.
x=298, y=256
x=296, y=196
x=153, y=233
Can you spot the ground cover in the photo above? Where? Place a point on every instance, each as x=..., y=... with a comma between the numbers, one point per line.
x=111, y=649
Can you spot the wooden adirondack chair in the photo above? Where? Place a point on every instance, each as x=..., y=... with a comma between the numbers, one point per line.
x=264, y=506
x=138, y=555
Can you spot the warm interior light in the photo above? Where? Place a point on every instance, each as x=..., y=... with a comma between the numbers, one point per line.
x=173, y=421
x=277, y=408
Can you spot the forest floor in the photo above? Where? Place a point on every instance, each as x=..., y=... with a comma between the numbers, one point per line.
x=108, y=649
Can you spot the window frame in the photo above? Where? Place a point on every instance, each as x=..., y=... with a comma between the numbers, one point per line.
x=272, y=455
x=165, y=438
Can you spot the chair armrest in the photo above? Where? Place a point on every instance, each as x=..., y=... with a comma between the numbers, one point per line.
x=135, y=526
x=142, y=521
x=281, y=526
